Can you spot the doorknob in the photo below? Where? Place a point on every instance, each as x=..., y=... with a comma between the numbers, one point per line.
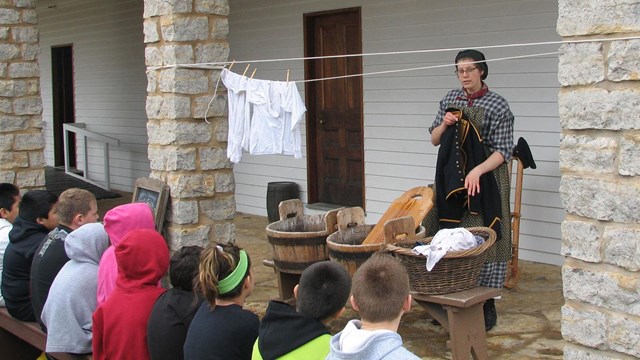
x=321, y=121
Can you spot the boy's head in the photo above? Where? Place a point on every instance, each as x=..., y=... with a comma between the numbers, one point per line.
x=323, y=290
x=77, y=207
x=40, y=206
x=183, y=267
x=9, y=201
x=381, y=289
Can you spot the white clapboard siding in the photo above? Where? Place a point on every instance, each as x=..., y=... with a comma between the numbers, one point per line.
x=109, y=81
x=399, y=107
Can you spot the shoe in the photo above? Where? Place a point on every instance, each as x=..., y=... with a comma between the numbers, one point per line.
x=435, y=322
x=490, y=314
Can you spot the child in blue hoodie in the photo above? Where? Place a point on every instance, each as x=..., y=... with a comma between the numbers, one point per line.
x=380, y=294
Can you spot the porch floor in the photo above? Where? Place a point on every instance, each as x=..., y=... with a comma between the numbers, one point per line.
x=528, y=316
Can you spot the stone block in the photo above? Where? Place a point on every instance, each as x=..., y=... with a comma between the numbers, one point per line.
x=578, y=17
x=212, y=52
x=173, y=54
x=172, y=158
x=29, y=16
x=31, y=4
x=601, y=199
x=584, y=353
x=29, y=141
x=629, y=165
x=624, y=335
x=178, y=133
x=180, y=236
x=166, y=7
x=585, y=327
x=5, y=106
x=225, y=182
x=9, y=16
x=152, y=81
x=219, y=208
x=29, y=51
x=6, y=142
x=220, y=29
x=183, y=81
x=24, y=70
x=624, y=62
x=215, y=7
x=581, y=64
x=4, y=33
x=150, y=30
x=36, y=159
x=30, y=178
x=168, y=107
x=9, y=52
x=25, y=34
x=27, y=105
x=13, y=160
x=7, y=176
x=3, y=70
x=582, y=153
x=581, y=240
x=183, y=212
x=221, y=132
x=152, y=56
x=214, y=158
x=224, y=232
x=13, y=123
x=602, y=286
x=622, y=247
x=184, y=28
x=591, y=108
x=212, y=107
x=191, y=185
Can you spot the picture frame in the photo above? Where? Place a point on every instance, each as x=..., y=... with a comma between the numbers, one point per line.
x=155, y=193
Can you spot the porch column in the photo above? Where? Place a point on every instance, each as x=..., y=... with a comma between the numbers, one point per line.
x=599, y=106
x=185, y=151
x=21, y=139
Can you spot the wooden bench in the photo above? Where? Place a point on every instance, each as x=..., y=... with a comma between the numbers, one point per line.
x=25, y=340
x=461, y=314
x=286, y=282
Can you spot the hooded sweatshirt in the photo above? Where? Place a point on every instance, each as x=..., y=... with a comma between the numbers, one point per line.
x=285, y=333
x=24, y=239
x=357, y=344
x=118, y=222
x=5, y=227
x=120, y=323
x=71, y=301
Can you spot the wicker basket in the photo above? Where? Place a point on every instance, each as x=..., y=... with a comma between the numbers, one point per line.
x=456, y=271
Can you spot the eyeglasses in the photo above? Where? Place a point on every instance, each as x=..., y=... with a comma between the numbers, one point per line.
x=467, y=71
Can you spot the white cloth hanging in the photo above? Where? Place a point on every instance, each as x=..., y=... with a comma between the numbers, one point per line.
x=445, y=240
x=239, y=121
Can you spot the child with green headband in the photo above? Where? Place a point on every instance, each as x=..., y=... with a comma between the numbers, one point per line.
x=222, y=329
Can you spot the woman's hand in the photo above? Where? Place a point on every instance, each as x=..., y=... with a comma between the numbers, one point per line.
x=472, y=181
x=449, y=119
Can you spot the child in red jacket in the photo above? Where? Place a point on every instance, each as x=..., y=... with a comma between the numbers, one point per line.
x=120, y=323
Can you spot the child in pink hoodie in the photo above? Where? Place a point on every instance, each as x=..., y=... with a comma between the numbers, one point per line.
x=118, y=222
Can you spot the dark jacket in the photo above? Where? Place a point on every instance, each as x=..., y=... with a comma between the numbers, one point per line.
x=24, y=239
x=169, y=322
x=461, y=150
x=284, y=331
x=48, y=259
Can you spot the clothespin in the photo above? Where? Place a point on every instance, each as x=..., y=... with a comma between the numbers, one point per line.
x=230, y=66
x=245, y=69
x=253, y=73
x=288, y=75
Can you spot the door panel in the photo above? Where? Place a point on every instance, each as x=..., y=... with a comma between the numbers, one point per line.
x=63, y=102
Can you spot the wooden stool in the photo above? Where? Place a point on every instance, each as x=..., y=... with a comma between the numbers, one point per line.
x=461, y=314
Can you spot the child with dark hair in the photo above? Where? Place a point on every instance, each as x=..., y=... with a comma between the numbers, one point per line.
x=301, y=333
x=37, y=216
x=222, y=329
x=76, y=207
x=174, y=310
x=381, y=296
x=9, y=201
x=120, y=323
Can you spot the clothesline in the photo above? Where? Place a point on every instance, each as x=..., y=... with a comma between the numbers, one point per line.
x=217, y=65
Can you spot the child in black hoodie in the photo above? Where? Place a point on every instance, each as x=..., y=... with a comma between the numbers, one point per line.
x=287, y=333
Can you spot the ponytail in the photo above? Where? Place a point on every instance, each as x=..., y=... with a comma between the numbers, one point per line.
x=218, y=261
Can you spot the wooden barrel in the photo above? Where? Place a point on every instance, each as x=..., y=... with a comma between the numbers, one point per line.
x=345, y=245
x=299, y=240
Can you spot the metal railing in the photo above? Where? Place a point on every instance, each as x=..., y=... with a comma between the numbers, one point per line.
x=80, y=130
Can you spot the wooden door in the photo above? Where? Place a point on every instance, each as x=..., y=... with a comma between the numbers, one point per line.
x=335, y=138
x=63, y=102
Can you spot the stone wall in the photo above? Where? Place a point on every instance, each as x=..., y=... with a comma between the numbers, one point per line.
x=600, y=188
x=185, y=151
x=21, y=140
